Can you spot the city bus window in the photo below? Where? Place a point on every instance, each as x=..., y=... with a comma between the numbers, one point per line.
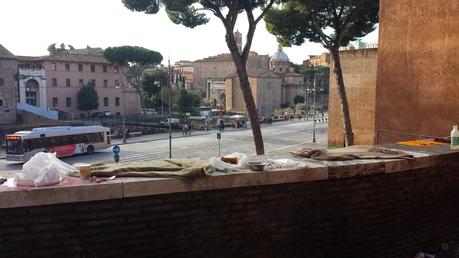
x=66, y=139
x=13, y=147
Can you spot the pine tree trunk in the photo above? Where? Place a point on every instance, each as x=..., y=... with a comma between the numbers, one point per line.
x=251, y=109
x=348, y=134
x=241, y=68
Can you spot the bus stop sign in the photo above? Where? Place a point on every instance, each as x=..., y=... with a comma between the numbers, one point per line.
x=116, y=149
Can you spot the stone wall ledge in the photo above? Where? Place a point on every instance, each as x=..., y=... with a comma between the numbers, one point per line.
x=73, y=190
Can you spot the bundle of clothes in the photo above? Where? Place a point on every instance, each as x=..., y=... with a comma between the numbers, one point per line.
x=352, y=152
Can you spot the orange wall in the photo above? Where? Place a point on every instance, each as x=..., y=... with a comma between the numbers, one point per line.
x=359, y=71
x=418, y=69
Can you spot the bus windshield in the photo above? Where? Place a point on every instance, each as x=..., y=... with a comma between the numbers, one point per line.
x=13, y=147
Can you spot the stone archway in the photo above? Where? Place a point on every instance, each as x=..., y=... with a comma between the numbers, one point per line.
x=222, y=99
x=32, y=93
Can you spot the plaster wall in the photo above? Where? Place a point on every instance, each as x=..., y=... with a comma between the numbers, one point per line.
x=418, y=69
x=359, y=71
x=266, y=93
x=8, y=95
x=111, y=91
x=219, y=67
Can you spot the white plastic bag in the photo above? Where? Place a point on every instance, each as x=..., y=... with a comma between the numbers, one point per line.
x=284, y=163
x=242, y=161
x=44, y=169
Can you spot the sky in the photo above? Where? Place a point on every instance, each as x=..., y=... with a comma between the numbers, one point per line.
x=28, y=27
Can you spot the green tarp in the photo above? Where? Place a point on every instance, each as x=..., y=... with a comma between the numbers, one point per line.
x=180, y=168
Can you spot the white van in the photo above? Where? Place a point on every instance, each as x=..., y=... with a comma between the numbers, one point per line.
x=174, y=122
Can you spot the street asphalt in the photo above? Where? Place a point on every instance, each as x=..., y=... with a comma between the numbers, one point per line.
x=279, y=138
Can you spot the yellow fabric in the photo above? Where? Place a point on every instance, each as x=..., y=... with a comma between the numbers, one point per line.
x=419, y=143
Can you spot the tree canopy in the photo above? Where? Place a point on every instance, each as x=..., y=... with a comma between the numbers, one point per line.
x=153, y=80
x=132, y=56
x=185, y=101
x=192, y=13
x=87, y=98
x=136, y=59
x=333, y=23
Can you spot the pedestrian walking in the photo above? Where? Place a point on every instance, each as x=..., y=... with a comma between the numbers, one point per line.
x=221, y=125
x=185, y=129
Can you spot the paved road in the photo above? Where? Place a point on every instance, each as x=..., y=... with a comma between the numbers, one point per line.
x=279, y=138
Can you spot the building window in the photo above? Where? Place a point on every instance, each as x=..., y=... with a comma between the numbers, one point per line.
x=117, y=101
x=93, y=83
x=105, y=101
x=67, y=67
x=67, y=82
x=54, y=82
x=1, y=81
x=116, y=69
x=1, y=102
x=104, y=68
x=105, y=83
x=53, y=66
x=117, y=84
x=68, y=102
x=81, y=82
x=55, y=101
x=93, y=68
x=80, y=67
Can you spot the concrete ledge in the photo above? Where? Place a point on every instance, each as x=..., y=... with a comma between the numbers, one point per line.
x=77, y=190
x=362, y=208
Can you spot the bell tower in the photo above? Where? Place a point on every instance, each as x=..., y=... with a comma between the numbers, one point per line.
x=238, y=38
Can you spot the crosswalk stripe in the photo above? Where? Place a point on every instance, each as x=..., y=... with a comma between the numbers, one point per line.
x=130, y=157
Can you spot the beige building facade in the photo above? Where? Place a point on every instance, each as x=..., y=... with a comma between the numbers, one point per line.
x=8, y=93
x=359, y=71
x=265, y=88
x=184, y=71
x=220, y=66
x=318, y=60
x=292, y=83
x=271, y=88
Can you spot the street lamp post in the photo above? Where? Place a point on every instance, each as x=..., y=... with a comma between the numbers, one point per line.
x=304, y=102
x=123, y=92
x=158, y=83
x=314, y=110
x=170, y=102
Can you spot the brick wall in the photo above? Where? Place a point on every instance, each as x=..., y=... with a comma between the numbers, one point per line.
x=391, y=215
x=418, y=69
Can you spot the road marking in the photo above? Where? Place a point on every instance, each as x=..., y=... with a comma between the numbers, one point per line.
x=289, y=146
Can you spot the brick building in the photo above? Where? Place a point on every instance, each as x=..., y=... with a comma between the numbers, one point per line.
x=53, y=82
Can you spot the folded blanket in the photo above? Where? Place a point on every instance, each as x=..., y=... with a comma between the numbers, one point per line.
x=179, y=168
x=354, y=152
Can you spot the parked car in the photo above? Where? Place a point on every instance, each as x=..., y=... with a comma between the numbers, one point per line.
x=175, y=122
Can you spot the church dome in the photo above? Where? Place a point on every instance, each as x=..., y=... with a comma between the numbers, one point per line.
x=279, y=56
